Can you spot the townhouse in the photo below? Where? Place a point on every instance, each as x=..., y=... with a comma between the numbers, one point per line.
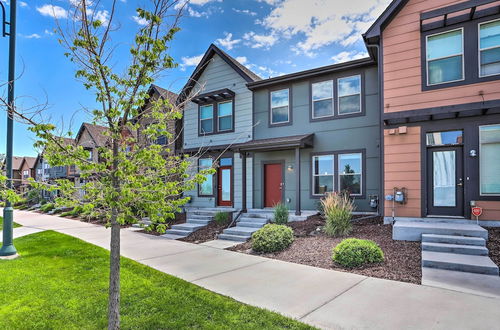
x=440, y=71
x=288, y=139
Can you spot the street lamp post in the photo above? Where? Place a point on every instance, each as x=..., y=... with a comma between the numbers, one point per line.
x=8, y=248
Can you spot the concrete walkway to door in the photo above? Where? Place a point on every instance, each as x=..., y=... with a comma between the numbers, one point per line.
x=320, y=297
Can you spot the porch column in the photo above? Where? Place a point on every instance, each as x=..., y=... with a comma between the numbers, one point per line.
x=297, y=182
x=244, y=181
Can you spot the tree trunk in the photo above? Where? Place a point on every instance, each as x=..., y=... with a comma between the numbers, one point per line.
x=114, y=262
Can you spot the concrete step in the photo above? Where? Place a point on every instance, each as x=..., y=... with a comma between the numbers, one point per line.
x=455, y=248
x=202, y=213
x=198, y=221
x=453, y=239
x=258, y=215
x=173, y=236
x=240, y=231
x=200, y=217
x=459, y=262
x=188, y=226
x=256, y=220
x=229, y=237
x=251, y=224
x=412, y=231
x=178, y=232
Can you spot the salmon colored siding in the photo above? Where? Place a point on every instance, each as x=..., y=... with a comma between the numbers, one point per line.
x=402, y=66
x=491, y=210
x=402, y=169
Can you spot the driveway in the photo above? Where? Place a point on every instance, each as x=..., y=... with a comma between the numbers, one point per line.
x=320, y=297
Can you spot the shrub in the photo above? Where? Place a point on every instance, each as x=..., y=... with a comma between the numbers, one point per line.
x=272, y=238
x=353, y=252
x=338, y=212
x=47, y=207
x=221, y=218
x=280, y=214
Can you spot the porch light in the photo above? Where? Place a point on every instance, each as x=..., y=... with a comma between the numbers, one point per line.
x=290, y=168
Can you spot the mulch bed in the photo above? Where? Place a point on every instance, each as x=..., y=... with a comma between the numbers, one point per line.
x=207, y=233
x=494, y=244
x=314, y=248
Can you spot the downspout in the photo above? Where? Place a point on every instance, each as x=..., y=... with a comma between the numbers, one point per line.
x=380, y=209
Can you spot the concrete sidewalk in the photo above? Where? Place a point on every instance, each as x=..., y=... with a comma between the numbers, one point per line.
x=320, y=297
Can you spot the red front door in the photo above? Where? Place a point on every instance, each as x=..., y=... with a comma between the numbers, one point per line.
x=273, y=184
x=224, y=186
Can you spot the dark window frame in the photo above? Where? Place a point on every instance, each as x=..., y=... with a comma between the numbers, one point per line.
x=334, y=98
x=470, y=55
x=290, y=106
x=213, y=177
x=336, y=175
x=215, y=117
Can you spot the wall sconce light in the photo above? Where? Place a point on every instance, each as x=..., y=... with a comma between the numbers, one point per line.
x=290, y=168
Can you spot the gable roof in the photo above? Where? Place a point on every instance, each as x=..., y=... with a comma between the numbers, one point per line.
x=164, y=93
x=372, y=35
x=95, y=132
x=17, y=162
x=30, y=161
x=242, y=70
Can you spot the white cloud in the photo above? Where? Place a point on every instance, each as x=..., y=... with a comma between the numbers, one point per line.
x=259, y=40
x=348, y=56
x=228, y=42
x=245, y=11
x=190, y=61
x=140, y=20
x=322, y=22
x=23, y=4
x=242, y=59
x=269, y=2
x=52, y=11
x=102, y=16
x=48, y=32
x=32, y=36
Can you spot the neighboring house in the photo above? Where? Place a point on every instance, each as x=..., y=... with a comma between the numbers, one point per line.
x=316, y=131
x=441, y=99
x=173, y=144
x=27, y=171
x=16, y=172
x=217, y=116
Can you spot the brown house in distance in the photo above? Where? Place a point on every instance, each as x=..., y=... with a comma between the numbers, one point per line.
x=440, y=68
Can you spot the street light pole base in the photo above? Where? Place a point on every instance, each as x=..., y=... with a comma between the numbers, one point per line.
x=11, y=257
x=8, y=248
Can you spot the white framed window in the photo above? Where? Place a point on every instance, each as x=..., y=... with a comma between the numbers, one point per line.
x=91, y=155
x=322, y=99
x=323, y=174
x=349, y=95
x=206, y=188
x=280, y=106
x=350, y=173
x=225, y=116
x=489, y=160
x=445, y=57
x=489, y=48
x=206, y=119
x=26, y=174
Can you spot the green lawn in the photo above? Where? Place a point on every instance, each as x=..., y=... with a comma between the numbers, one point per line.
x=1, y=224
x=60, y=282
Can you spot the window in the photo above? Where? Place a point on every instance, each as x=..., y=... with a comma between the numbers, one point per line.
x=323, y=174
x=322, y=99
x=206, y=119
x=226, y=162
x=350, y=176
x=349, y=91
x=206, y=188
x=280, y=107
x=91, y=155
x=161, y=140
x=445, y=61
x=489, y=48
x=489, y=160
x=444, y=138
x=26, y=174
x=225, y=116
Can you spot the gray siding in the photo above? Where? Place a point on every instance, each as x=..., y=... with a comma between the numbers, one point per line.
x=219, y=75
x=340, y=134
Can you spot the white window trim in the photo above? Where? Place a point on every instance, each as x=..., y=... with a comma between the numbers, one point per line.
x=231, y=115
x=479, y=49
x=323, y=99
x=440, y=58
x=212, y=119
x=271, y=107
x=360, y=173
x=339, y=96
x=315, y=174
x=480, y=153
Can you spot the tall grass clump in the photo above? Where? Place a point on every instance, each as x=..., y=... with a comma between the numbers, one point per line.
x=338, y=208
x=281, y=214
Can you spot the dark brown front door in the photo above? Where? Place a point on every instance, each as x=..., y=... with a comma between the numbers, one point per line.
x=224, y=186
x=273, y=184
x=445, y=184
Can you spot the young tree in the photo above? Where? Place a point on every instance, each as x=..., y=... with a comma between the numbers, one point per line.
x=128, y=174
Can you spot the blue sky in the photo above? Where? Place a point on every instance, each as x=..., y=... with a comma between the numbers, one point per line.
x=271, y=37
